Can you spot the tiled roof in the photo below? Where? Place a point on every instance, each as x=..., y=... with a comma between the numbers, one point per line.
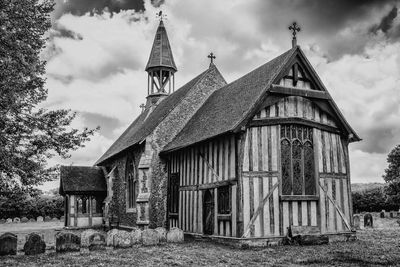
x=228, y=106
x=80, y=179
x=146, y=123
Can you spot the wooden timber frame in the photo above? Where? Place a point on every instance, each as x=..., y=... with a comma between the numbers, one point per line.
x=260, y=211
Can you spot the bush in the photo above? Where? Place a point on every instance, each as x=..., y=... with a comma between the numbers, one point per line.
x=20, y=204
x=372, y=200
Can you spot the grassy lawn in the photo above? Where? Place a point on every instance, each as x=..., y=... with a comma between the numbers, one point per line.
x=378, y=247
x=374, y=247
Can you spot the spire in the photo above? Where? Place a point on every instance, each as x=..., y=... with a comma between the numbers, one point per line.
x=161, y=53
x=161, y=65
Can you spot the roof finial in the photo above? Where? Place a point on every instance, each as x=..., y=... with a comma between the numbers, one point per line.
x=142, y=106
x=295, y=28
x=161, y=16
x=212, y=57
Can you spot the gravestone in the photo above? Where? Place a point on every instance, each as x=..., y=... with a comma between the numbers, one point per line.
x=356, y=220
x=136, y=236
x=47, y=219
x=55, y=219
x=62, y=218
x=8, y=244
x=382, y=214
x=34, y=244
x=175, y=235
x=93, y=240
x=85, y=237
x=150, y=237
x=368, y=221
x=122, y=239
x=39, y=219
x=32, y=220
x=162, y=234
x=67, y=241
x=2, y=221
x=9, y=220
x=110, y=237
x=24, y=220
x=16, y=220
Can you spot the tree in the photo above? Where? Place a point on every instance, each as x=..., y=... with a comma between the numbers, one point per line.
x=30, y=135
x=392, y=175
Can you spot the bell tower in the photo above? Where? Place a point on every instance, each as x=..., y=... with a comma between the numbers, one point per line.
x=160, y=67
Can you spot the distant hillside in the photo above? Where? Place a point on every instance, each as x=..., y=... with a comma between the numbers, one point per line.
x=359, y=187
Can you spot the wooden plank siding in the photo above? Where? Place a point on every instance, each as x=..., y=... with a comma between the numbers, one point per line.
x=261, y=170
x=205, y=166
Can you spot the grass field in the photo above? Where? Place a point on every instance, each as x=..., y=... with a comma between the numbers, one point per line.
x=374, y=247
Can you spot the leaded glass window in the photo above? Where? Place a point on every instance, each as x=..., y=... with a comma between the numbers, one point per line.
x=224, y=206
x=131, y=183
x=297, y=160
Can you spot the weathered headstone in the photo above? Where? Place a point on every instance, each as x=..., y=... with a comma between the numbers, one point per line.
x=97, y=241
x=382, y=214
x=16, y=220
x=85, y=237
x=34, y=244
x=110, y=237
x=93, y=240
x=122, y=239
x=175, y=235
x=62, y=218
x=47, y=219
x=368, y=221
x=162, y=234
x=150, y=237
x=356, y=220
x=9, y=220
x=32, y=220
x=39, y=219
x=55, y=219
x=67, y=241
x=2, y=221
x=8, y=244
x=24, y=220
x=136, y=236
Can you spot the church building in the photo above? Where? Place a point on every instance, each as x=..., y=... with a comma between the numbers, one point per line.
x=248, y=161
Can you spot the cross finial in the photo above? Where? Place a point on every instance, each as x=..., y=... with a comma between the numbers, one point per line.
x=142, y=106
x=161, y=16
x=212, y=57
x=294, y=28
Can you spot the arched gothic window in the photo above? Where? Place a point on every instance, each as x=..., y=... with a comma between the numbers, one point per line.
x=297, y=160
x=131, y=183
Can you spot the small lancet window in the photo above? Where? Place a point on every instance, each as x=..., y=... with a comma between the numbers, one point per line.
x=131, y=183
x=297, y=160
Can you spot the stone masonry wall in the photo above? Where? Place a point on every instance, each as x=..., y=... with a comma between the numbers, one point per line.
x=164, y=134
x=118, y=202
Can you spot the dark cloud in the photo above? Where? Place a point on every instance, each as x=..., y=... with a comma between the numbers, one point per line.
x=107, y=124
x=80, y=7
x=386, y=22
x=325, y=20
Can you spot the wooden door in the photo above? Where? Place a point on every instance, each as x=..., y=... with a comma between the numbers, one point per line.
x=208, y=213
x=173, y=200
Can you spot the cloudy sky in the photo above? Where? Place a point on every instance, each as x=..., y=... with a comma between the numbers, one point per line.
x=98, y=49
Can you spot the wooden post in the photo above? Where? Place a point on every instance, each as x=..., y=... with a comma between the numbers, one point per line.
x=90, y=210
x=76, y=211
x=216, y=211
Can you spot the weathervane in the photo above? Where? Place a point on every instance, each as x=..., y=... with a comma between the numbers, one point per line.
x=212, y=57
x=161, y=16
x=295, y=28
